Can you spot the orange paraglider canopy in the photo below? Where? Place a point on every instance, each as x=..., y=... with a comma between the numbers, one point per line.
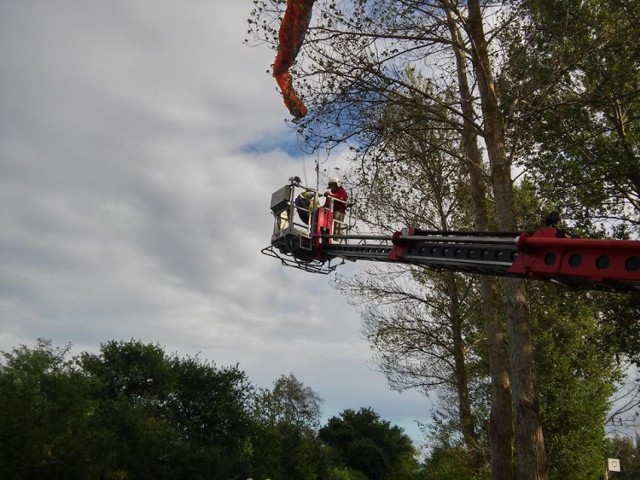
x=290, y=37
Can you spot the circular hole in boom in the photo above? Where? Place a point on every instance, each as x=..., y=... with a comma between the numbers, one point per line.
x=602, y=262
x=550, y=259
x=575, y=260
x=632, y=264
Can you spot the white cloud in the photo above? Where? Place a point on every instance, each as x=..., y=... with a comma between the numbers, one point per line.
x=140, y=142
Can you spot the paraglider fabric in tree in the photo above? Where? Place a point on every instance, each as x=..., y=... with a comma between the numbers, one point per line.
x=290, y=37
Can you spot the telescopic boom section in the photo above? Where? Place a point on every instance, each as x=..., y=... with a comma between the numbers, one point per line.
x=323, y=243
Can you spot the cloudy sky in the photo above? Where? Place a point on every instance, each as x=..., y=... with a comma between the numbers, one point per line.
x=140, y=142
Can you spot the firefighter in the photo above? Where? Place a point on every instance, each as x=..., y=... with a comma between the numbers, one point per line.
x=338, y=196
x=305, y=205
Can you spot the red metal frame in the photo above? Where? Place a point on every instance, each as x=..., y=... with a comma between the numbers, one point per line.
x=543, y=255
x=322, y=225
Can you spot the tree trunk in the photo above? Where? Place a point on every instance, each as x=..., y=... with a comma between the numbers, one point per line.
x=467, y=421
x=530, y=450
x=501, y=416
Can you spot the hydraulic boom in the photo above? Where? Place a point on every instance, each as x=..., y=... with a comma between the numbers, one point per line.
x=545, y=254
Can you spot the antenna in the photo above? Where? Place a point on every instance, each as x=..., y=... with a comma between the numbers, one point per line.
x=304, y=171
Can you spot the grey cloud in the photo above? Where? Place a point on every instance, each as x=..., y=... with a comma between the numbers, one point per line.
x=140, y=142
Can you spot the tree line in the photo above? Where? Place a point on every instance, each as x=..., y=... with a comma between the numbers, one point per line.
x=131, y=411
x=485, y=116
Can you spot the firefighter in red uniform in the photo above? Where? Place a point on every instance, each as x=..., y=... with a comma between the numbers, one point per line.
x=339, y=196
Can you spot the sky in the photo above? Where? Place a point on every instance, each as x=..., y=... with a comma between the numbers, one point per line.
x=140, y=142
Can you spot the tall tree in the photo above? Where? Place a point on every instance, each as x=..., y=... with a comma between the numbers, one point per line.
x=571, y=82
x=357, y=57
x=159, y=416
x=130, y=383
x=44, y=414
x=208, y=409
x=530, y=448
x=501, y=421
x=365, y=442
x=576, y=364
x=286, y=419
x=577, y=378
x=291, y=401
x=420, y=323
x=360, y=52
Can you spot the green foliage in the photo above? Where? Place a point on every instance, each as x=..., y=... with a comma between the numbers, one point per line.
x=623, y=449
x=449, y=463
x=575, y=364
x=44, y=412
x=361, y=441
x=290, y=402
x=285, y=451
x=570, y=86
x=132, y=411
x=577, y=378
x=285, y=443
x=449, y=457
x=131, y=369
x=346, y=473
x=128, y=412
x=621, y=328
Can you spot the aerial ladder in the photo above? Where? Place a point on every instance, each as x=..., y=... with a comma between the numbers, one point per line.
x=322, y=243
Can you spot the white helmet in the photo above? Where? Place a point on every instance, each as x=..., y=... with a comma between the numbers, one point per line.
x=335, y=180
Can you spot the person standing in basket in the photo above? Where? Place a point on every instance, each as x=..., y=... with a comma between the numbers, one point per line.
x=339, y=196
